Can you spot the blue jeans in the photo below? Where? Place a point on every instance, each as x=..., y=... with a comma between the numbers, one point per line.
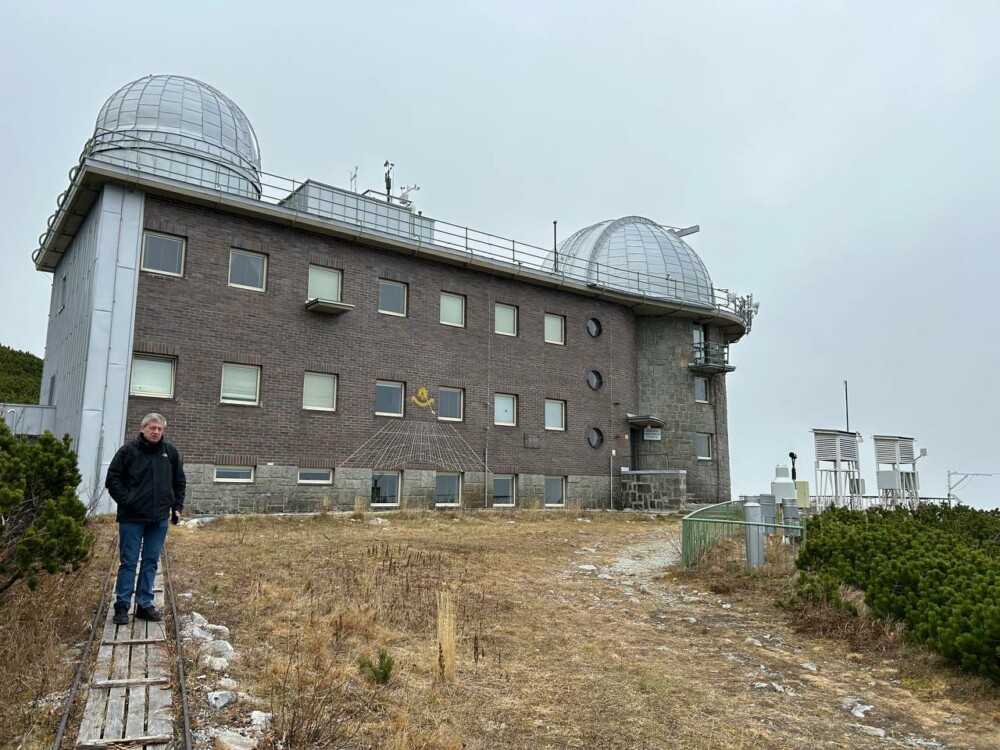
x=131, y=537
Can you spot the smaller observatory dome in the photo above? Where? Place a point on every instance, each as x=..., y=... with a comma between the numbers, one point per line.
x=182, y=129
x=638, y=256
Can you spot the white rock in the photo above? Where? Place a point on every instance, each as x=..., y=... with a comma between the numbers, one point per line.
x=727, y=606
x=762, y=685
x=606, y=577
x=195, y=633
x=219, y=631
x=234, y=741
x=753, y=642
x=198, y=620
x=227, y=683
x=219, y=648
x=379, y=522
x=873, y=731
x=689, y=599
x=260, y=720
x=860, y=710
x=953, y=720
x=583, y=520
x=221, y=698
x=810, y=666
x=587, y=567
x=216, y=663
x=633, y=599
x=691, y=620
x=643, y=588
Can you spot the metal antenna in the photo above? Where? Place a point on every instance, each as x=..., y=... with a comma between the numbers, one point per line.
x=354, y=179
x=388, y=180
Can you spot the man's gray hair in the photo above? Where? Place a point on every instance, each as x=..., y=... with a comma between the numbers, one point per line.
x=153, y=417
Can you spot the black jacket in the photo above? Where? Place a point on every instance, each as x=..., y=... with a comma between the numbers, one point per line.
x=146, y=480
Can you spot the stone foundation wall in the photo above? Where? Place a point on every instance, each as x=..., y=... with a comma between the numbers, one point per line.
x=654, y=490
x=275, y=489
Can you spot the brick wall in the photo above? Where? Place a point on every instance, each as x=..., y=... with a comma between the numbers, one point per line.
x=203, y=322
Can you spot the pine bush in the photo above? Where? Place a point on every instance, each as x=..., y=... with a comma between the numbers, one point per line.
x=42, y=521
x=935, y=569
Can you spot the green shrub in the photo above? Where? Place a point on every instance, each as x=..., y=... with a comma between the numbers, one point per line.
x=20, y=376
x=379, y=673
x=935, y=569
x=41, y=519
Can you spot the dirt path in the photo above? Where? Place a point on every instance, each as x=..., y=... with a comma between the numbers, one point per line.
x=798, y=690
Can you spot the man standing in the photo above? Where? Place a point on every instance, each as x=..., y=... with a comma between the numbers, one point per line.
x=146, y=480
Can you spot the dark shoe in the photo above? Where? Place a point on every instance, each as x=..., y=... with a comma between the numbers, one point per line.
x=150, y=613
x=121, y=614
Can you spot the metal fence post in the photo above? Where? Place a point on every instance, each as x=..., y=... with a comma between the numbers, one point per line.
x=790, y=513
x=754, y=534
x=768, y=511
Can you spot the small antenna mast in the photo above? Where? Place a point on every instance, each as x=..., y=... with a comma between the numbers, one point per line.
x=388, y=180
x=354, y=179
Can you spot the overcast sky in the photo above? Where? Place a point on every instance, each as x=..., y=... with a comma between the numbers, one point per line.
x=842, y=160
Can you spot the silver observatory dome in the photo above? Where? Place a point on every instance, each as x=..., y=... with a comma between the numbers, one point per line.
x=638, y=256
x=179, y=128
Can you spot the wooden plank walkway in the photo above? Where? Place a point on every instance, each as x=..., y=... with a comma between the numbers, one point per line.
x=129, y=704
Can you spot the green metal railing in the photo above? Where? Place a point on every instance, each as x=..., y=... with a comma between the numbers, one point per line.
x=705, y=529
x=702, y=528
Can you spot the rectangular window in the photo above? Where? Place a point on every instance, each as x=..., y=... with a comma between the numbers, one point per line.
x=152, y=376
x=238, y=474
x=503, y=490
x=385, y=487
x=240, y=384
x=324, y=283
x=319, y=391
x=505, y=320
x=247, y=270
x=388, y=398
x=451, y=402
x=555, y=490
x=703, y=445
x=555, y=414
x=392, y=298
x=162, y=253
x=448, y=489
x=504, y=409
x=315, y=476
x=701, y=390
x=555, y=329
x=452, y=310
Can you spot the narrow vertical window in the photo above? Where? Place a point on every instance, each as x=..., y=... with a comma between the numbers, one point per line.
x=505, y=320
x=452, y=310
x=555, y=329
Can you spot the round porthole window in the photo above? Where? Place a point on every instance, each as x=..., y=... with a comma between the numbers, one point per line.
x=595, y=437
x=594, y=327
x=594, y=380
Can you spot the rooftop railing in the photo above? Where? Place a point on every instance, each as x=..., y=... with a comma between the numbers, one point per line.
x=394, y=218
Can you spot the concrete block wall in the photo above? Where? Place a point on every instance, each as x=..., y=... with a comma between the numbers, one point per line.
x=275, y=489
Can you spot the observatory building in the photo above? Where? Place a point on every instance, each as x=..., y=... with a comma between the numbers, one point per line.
x=312, y=346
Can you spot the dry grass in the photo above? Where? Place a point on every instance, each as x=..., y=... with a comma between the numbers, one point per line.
x=37, y=630
x=545, y=655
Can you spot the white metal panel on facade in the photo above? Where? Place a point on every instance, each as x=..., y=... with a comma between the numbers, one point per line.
x=88, y=350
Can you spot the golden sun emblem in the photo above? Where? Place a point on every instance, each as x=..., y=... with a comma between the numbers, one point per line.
x=422, y=399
